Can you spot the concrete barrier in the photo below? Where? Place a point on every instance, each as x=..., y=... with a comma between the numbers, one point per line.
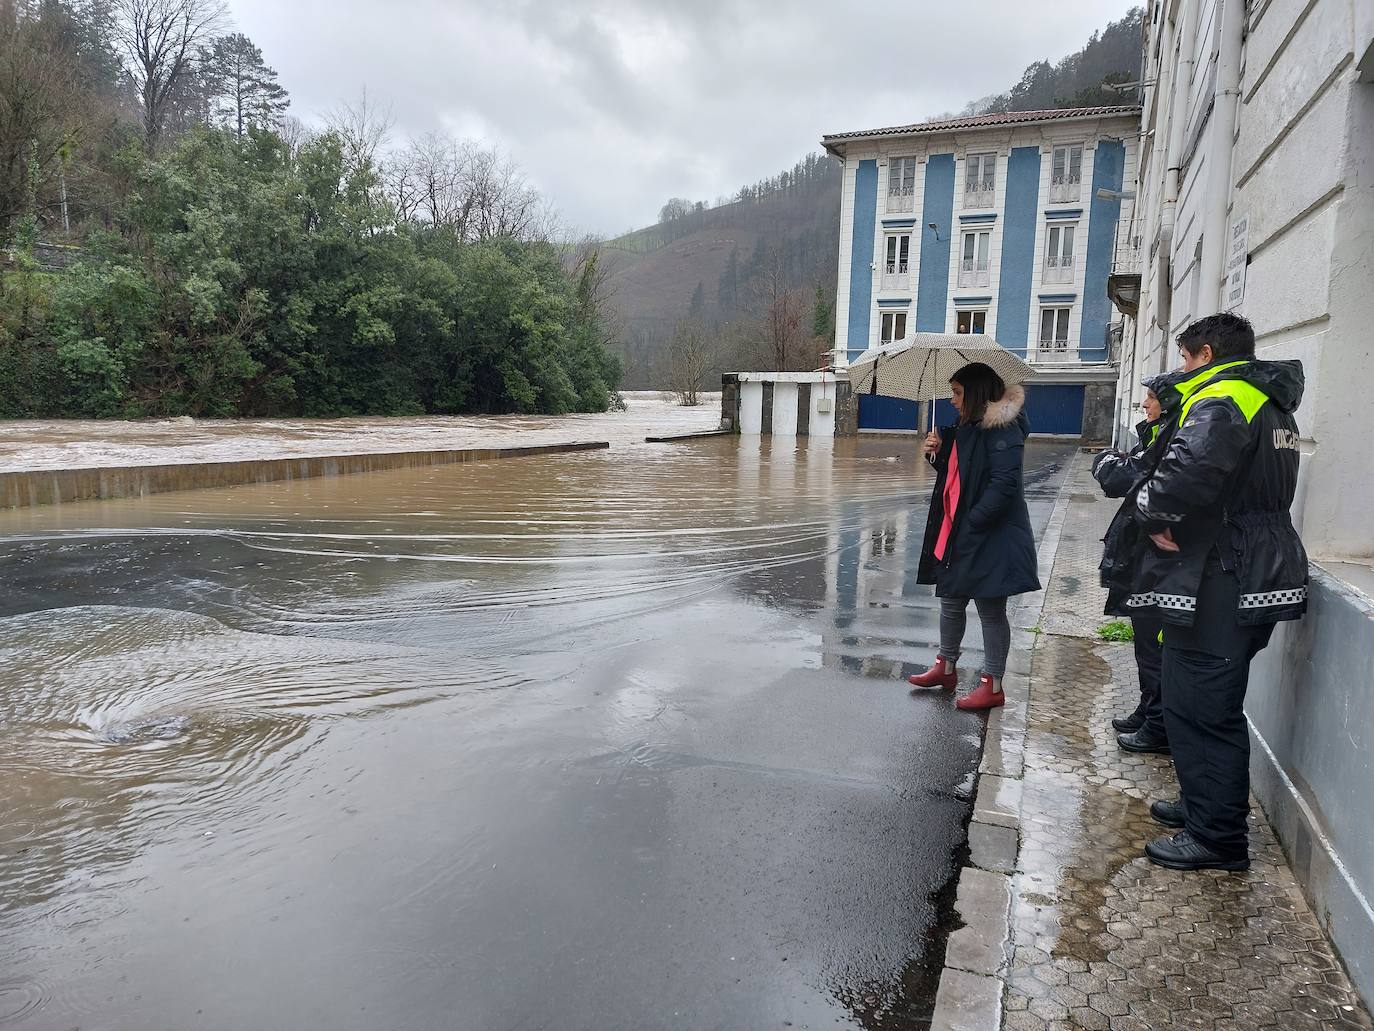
x=1311, y=715
x=787, y=404
x=25, y=488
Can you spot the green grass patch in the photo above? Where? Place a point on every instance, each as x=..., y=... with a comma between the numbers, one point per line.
x=1116, y=630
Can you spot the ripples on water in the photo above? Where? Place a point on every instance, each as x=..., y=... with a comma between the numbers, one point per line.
x=175, y=668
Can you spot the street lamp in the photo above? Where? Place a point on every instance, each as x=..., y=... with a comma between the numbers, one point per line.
x=1105, y=194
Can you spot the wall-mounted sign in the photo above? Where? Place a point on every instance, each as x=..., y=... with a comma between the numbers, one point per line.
x=1237, y=256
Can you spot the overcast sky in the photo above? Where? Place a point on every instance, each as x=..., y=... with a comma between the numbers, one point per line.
x=613, y=106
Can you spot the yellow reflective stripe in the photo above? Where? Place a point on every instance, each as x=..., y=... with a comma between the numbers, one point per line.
x=1154, y=433
x=1248, y=398
x=1189, y=385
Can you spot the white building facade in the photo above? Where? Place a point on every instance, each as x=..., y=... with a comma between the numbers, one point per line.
x=1256, y=195
x=1000, y=224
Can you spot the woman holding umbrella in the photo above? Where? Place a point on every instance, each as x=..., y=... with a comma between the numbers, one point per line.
x=978, y=543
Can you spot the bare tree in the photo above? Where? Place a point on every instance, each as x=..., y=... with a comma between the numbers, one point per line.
x=41, y=100
x=780, y=312
x=691, y=354
x=294, y=133
x=363, y=130
x=504, y=203
x=160, y=39
x=474, y=192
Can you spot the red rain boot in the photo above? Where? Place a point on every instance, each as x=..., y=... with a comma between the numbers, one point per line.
x=939, y=675
x=987, y=695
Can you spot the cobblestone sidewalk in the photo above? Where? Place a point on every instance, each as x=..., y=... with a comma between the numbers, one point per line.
x=1100, y=937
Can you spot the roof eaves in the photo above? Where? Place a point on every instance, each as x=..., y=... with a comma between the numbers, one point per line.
x=832, y=140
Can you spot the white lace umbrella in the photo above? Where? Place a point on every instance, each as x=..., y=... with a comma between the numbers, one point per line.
x=919, y=367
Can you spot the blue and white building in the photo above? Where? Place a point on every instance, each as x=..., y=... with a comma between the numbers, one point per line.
x=1005, y=224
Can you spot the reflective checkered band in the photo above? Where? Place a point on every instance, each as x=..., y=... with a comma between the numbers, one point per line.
x=1268, y=599
x=1182, y=602
x=1142, y=502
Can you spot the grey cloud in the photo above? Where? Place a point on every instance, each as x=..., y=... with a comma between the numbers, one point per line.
x=611, y=106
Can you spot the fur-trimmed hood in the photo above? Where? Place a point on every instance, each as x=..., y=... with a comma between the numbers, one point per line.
x=1004, y=412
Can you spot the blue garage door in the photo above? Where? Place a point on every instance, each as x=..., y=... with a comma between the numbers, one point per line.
x=877, y=412
x=1050, y=407
x=1055, y=408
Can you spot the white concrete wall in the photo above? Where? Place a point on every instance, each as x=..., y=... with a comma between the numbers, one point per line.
x=751, y=408
x=785, y=410
x=1302, y=172
x=822, y=424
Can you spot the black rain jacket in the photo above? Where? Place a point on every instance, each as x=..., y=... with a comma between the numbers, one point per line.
x=991, y=550
x=1224, y=486
x=1121, y=476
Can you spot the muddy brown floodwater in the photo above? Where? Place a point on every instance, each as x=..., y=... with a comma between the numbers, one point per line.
x=600, y=741
x=85, y=443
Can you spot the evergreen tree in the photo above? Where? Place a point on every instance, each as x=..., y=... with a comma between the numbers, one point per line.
x=727, y=293
x=823, y=317
x=698, y=306
x=245, y=88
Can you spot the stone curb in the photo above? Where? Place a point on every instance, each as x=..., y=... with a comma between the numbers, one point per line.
x=978, y=954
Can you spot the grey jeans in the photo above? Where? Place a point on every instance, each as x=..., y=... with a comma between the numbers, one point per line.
x=992, y=613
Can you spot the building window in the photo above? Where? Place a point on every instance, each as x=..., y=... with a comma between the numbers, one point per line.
x=973, y=265
x=1059, y=254
x=980, y=180
x=1066, y=173
x=1054, y=332
x=894, y=326
x=896, y=265
x=971, y=321
x=901, y=184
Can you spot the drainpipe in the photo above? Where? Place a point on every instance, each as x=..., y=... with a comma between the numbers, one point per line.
x=1216, y=199
x=1180, y=86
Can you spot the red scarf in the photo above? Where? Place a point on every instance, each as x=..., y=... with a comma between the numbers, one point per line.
x=951, y=503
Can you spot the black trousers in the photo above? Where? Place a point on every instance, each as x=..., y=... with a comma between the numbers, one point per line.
x=1149, y=661
x=1206, y=671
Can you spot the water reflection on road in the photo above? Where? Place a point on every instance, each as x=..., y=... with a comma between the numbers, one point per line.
x=594, y=741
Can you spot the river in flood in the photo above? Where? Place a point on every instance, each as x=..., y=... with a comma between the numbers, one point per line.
x=86, y=443
x=607, y=740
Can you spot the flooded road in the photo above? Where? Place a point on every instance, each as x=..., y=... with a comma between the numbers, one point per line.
x=608, y=740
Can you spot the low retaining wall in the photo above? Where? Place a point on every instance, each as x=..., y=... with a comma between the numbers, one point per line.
x=1311, y=712
x=26, y=488
x=788, y=404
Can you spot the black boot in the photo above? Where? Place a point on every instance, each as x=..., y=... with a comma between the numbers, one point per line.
x=1129, y=724
x=1170, y=814
x=1184, y=852
x=1144, y=740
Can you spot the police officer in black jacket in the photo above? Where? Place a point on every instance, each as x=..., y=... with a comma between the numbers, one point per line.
x=1225, y=565
x=1121, y=475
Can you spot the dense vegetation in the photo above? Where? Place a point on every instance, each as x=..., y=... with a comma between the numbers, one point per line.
x=231, y=263
x=1084, y=78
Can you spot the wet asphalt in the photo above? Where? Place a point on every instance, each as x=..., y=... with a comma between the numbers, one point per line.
x=610, y=740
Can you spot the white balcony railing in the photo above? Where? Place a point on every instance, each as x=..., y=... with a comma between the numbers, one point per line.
x=901, y=198
x=1055, y=349
x=1057, y=270
x=978, y=193
x=1125, y=252
x=896, y=275
x=1065, y=188
x=973, y=272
